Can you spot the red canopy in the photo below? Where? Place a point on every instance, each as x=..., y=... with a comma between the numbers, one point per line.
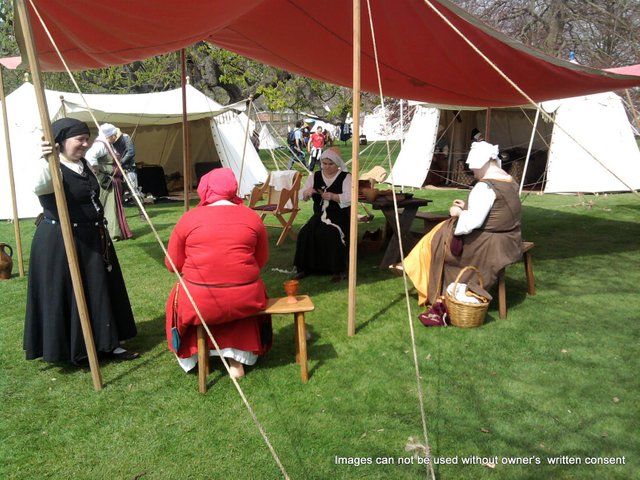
x=421, y=57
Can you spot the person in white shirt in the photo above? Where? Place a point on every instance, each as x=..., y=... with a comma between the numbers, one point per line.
x=110, y=178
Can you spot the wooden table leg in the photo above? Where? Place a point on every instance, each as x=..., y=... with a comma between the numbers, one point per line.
x=406, y=216
x=301, y=346
x=203, y=358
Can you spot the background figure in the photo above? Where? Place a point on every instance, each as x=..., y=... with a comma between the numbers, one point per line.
x=315, y=146
x=476, y=136
x=126, y=150
x=296, y=146
x=323, y=242
x=483, y=232
x=219, y=248
x=52, y=324
x=328, y=139
x=110, y=180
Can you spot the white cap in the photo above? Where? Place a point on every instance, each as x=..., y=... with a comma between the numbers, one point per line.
x=333, y=155
x=106, y=129
x=481, y=153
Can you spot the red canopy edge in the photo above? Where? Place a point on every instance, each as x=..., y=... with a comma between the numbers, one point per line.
x=420, y=56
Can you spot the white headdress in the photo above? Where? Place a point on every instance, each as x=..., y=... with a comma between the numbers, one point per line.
x=481, y=153
x=333, y=155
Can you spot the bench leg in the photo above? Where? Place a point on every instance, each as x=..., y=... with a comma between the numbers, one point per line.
x=203, y=359
x=502, y=295
x=301, y=346
x=528, y=266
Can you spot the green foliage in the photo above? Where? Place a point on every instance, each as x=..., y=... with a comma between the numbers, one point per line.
x=558, y=377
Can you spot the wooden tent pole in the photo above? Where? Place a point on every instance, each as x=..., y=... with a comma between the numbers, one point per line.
x=633, y=108
x=526, y=160
x=12, y=184
x=355, y=154
x=61, y=202
x=487, y=122
x=186, y=144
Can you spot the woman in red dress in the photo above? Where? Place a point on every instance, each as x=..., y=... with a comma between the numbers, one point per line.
x=219, y=248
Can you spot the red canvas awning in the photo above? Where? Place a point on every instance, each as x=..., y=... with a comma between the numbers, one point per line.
x=421, y=57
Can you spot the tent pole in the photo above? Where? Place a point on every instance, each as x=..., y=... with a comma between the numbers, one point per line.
x=12, y=184
x=401, y=123
x=244, y=147
x=487, y=129
x=355, y=155
x=633, y=108
x=450, y=159
x=61, y=202
x=526, y=162
x=186, y=150
x=64, y=107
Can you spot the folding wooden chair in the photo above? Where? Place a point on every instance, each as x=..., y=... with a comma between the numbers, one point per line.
x=281, y=203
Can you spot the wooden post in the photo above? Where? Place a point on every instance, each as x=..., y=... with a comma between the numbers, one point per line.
x=526, y=160
x=61, y=202
x=487, y=130
x=186, y=144
x=12, y=184
x=633, y=108
x=355, y=153
x=244, y=147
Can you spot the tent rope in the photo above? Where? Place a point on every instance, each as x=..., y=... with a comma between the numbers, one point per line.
x=423, y=416
x=544, y=114
x=173, y=266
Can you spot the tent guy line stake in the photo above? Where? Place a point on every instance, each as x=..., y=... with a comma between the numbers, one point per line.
x=423, y=415
x=89, y=340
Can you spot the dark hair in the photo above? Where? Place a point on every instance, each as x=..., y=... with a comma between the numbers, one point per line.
x=298, y=123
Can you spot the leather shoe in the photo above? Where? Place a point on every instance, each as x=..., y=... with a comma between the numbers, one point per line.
x=124, y=355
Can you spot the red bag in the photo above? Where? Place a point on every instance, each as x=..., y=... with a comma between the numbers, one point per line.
x=436, y=316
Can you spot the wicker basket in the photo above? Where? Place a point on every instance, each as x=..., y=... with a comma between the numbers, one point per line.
x=466, y=315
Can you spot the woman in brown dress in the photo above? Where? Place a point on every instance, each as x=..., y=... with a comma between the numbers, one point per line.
x=483, y=232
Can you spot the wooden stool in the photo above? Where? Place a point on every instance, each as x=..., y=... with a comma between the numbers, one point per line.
x=275, y=306
x=531, y=283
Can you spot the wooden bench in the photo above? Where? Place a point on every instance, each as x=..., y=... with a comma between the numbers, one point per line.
x=431, y=219
x=531, y=285
x=275, y=306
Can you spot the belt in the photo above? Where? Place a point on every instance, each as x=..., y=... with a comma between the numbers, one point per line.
x=221, y=285
x=51, y=221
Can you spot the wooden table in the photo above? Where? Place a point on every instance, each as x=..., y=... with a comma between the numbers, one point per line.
x=407, y=210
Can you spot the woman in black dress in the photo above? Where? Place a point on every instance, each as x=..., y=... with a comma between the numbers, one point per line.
x=52, y=325
x=323, y=242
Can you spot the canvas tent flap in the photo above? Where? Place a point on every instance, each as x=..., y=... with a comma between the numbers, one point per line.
x=267, y=140
x=600, y=125
x=405, y=30
x=413, y=162
x=157, y=136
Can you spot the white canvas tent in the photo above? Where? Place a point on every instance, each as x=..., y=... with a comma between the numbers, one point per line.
x=598, y=122
x=377, y=127
x=217, y=134
x=267, y=140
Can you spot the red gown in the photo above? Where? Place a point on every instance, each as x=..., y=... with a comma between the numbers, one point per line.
x=220, y=250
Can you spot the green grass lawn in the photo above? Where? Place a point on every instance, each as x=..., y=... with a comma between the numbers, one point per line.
x=557, y=378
